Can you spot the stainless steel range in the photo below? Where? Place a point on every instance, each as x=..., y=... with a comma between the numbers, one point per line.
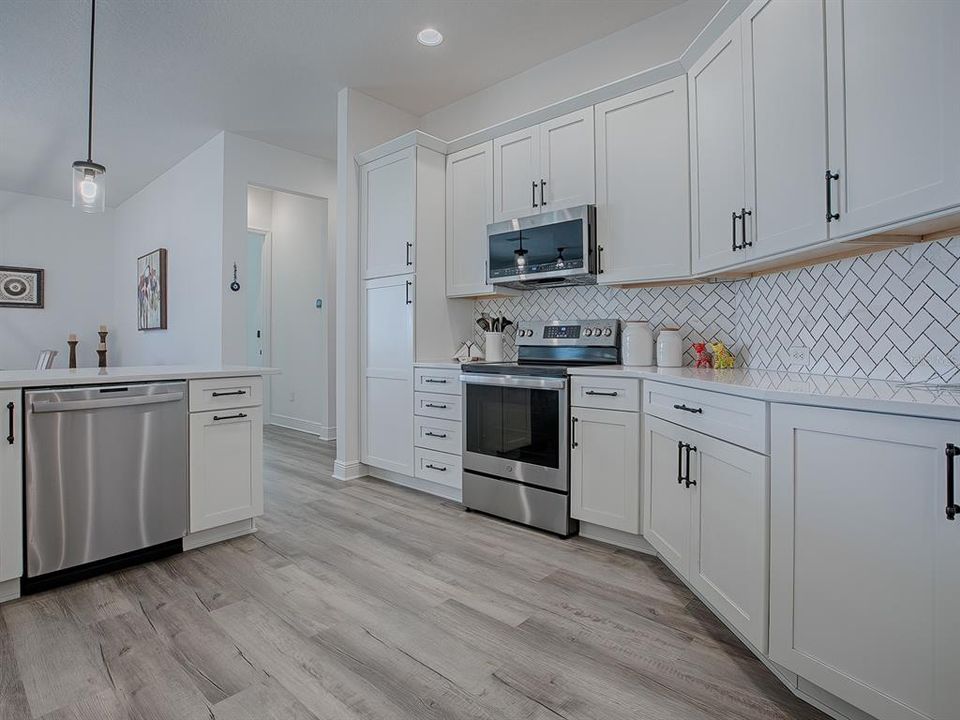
x=516, y=458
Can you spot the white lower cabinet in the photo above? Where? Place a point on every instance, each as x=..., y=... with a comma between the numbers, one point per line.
x=226, y=466
x=865, y=564
x=706, y=513
x=605, y=468
x=11, y=483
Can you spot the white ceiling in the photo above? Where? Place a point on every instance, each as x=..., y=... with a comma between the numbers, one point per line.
x=173, y=73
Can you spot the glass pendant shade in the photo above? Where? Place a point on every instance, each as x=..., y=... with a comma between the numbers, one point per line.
x=89, y=187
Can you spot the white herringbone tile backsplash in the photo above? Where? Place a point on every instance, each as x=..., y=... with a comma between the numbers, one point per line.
x=891, y=315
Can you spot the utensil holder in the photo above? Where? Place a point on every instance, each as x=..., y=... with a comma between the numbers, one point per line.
x=494, y=347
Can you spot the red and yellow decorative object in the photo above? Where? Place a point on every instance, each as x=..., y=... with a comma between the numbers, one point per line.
x=704, y=359
x=722, y=359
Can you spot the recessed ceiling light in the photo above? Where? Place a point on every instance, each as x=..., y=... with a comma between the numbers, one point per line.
x=429, y=37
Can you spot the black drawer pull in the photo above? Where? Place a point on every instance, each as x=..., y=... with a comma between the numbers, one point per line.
x=10, y=437
x=232, y=392
x=604, y=394
x=238, y=416
x=434, y=405
x=952, y=507
x=436, y=435
x=434, y=380
x=430, y=466
x=688, y=409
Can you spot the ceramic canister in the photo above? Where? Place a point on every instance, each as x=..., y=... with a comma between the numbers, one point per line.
x=494, y=347
x=669, y=347
x=638, y=344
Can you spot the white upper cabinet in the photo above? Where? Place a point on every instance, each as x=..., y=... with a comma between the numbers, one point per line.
x=566, y=159
x=717, y=160
x=545, y=167
x=469, y=211
x=386, y=359
x=516, y=174
x=643, y=184
x=11, y=483
x=388, y=214
x=894, y=100
x=865, y=564
x=786, y=132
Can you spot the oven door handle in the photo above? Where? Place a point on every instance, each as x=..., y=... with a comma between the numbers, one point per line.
x=519, y=381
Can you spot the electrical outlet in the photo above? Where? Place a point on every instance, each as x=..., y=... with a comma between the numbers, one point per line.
x=798, y=355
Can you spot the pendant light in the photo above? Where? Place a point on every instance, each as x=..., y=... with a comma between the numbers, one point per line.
x=88, y=176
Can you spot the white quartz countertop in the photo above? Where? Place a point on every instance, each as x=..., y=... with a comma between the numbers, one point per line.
x=803, y=388
x=58, y=377
x=440, y=365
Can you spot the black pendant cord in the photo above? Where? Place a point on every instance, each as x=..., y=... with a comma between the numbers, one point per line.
x=93, y=25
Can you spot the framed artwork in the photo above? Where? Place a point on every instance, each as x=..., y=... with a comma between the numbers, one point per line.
x=152, y=291
x=21, y=287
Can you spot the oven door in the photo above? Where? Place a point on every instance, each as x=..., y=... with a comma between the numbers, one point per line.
x=515, y=427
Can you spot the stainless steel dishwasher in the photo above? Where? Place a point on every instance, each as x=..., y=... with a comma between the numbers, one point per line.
x=106, y=478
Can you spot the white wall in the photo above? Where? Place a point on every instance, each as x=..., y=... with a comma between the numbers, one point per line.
x=75, y=249
x=638, y=47
x=179, y=211
x=259, y=208
x=362, y=123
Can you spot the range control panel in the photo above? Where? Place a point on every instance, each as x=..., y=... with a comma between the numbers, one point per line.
x=601, y=333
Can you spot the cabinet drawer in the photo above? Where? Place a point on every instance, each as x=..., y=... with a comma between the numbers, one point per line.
x=434, y=434
x=437, y=380
x=439, y=467
x=225, y=393
x=738, y=420
x=436, y=405
x=606, y=393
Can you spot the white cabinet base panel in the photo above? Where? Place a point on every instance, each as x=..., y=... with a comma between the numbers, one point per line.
x=426, y=486
x=219, y=534
x=9, y=590
x=628, y=541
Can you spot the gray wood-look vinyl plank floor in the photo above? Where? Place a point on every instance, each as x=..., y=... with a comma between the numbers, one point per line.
x=366, y=600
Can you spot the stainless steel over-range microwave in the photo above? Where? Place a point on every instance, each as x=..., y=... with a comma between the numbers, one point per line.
x=546, y=250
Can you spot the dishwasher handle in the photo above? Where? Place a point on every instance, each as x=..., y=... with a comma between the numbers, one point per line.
x=69, y=405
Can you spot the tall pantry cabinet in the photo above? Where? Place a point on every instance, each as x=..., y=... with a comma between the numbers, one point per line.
x=405, y=316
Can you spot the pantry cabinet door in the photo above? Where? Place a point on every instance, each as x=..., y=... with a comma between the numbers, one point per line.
x=717, y=158
x=516, y=174
x=605, y=468
x=643, y=184
x=386, y=361
x=666, y=499
x=894, y=104
x=567, y=173
x=864, y=562
x=469, y=211
x=730, y=543
x=785, y=111
x=11, y=484
x=388, y=215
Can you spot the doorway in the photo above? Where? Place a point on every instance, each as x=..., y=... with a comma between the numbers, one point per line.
x=258, y=302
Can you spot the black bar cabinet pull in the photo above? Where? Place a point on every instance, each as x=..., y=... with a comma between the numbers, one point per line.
x=952, y=507
x=573, y=432
x=434, y=405
x=680, y=462
x=744, y=214
x=733, y=229
x=604, y=394
x=407, y=291
x=533, y=194
x=232, y=392
x=430, y=466
x=409, y=248
x=435, y=380
x=687, y=480
x=10, y=437
x=600, y=259
x=238, y=416
x=543, y=199
x=688, y=409
x=831, y=215
x=436, y=435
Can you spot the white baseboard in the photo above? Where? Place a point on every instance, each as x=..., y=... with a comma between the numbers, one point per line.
x=616, y=537
x=9, y=590
x=323, y=432
x=219, y=534
x=348, y=470
x=444, y=491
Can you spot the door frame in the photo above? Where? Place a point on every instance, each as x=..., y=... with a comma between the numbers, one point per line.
x=266, y=289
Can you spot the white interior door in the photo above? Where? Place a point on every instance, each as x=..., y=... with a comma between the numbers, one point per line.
x=469, y=211
x=567, y=175
x=717, y=161
x=643, y=184
x=786, y=109
x=894, y=100
x=386, y=357
x=864, y=563
x=388, y=215
x=666, y=499
x=516, y=174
